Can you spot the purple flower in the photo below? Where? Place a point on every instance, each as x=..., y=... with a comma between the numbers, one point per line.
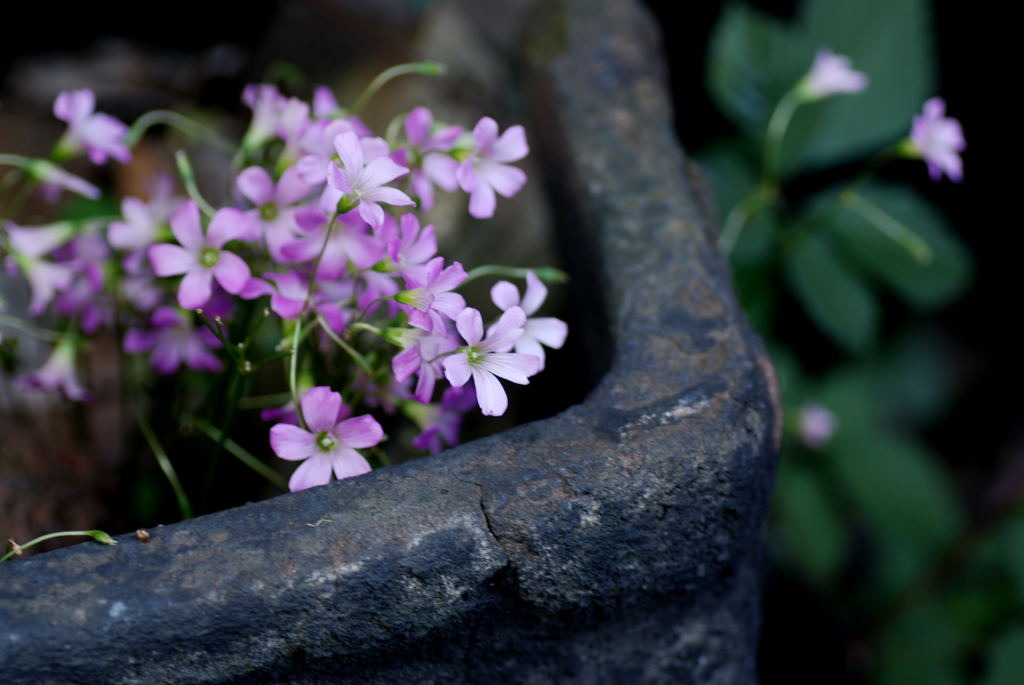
x=487, y=359
x=174, y=341
x=266, y=103
x=817, y=425
x=101, y=135
x=420, y=357
x=427, y=155
x=328, y=444
x=143, y=220
x=485, y=171
x=409, y=246
x=830, y=74
x=28, y=245
x=428, y=294
x=325, y=105
x=201, y=258
x=537, y=331
x=362, y=183
x=53, y=179
x=58, y=373
x=938, y=139
x=441, y=423
x=348, y=241
x=275, y=218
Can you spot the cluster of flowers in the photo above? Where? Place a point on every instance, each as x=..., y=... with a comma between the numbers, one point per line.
x=325, y=233
x=934, y=137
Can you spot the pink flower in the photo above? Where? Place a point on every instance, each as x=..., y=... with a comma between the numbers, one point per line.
x=536, y=331
x=266, y=103
x=831, y=74
x=174, y=341
x=420, y=357
x=201, y=258
x=938, y=139
x=45, y=278
x=363, y=183
x=53, y=179
x=817, y=425
x=276, y=218
x=486, y=360
x=328, y=444
x=349, y=240
x=143, y=220
x=427, y=155
x=409, y=246
x=58, y=373
x=101, y=135
x=428, y=294
x=485, y=171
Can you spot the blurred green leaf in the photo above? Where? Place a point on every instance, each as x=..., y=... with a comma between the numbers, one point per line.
x=835, y=297
x=1006, y=659
x=922, y=646
x=815, y=536
x=915, y=377
x=755, y=58
x=1009, y=546
x=890, y=41
x=922, y=284
x=900, y=487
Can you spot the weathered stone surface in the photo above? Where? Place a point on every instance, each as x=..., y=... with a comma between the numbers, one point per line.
x=616, y=542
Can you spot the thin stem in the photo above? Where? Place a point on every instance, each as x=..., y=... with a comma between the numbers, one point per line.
x=548, y=274
x=422, y=68
x=15, y=161
x=28, y=329
x=293, y=372
x=737, y=218
x=359, y=359
x=188, y=177
x=180, y=122
x=165, y=465
x=899, y=232
x=264, y=401
x=777, y=126
x=242, y=454
x=97, y=535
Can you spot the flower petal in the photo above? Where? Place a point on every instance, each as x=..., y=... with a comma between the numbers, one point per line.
x=511, y=146
x=457, y=369
x=470, y=325
x=186, y=228
x=511, y=366
x=536, y=293
x=482, y=202
x=229, y=224
x=320, y=407
x=548, y=330
x=504, y=295
x=314, y=471
x=291, y=442
x=359, y=431
x=170, y=260
x=489, y=394
x=232, y=272
x=348, y=463
x=195, y=288
x=256, y=185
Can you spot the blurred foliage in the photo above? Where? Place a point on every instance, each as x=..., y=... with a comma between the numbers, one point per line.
x=871, y=519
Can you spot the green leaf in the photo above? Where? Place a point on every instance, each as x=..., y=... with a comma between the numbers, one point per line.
x=922, y=646
x=834, y=296
x=1006, y=659
x=914, y=378
x=890, y=41
x=925, y=284
x=814, y=536
x=899, y=486
x=753, y=60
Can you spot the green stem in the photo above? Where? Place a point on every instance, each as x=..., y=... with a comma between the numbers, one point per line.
x=738, y=218
x=359, y=359
x=165, y=465
x=777, y=126
x=242, y=454
x=897, y=231
x=548, y=274
x=97, y=535
x=188, y=177
x=180, y=122
x=28, y=329
x=293, y=372
x=264, y=401
x=422, y=68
